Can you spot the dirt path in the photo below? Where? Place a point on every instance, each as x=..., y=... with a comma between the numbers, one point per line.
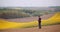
x=52, y=28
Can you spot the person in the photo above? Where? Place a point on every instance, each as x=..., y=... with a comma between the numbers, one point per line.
x=39, y=22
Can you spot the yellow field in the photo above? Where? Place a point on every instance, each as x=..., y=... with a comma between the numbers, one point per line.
x=52, y=20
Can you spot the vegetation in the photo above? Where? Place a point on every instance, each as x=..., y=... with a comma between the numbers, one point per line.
x=8, y=13
x=19, y=13
x=51, y=21
x=57, y=8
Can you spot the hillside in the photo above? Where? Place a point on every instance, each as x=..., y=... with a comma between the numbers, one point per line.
x=55, y=19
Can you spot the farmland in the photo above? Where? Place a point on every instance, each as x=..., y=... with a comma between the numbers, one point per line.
x=26, y=19
x=53, y=20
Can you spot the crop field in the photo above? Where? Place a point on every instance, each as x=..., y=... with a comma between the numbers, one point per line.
x=52, y=20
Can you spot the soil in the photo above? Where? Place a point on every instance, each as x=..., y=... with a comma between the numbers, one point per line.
x=52, y=28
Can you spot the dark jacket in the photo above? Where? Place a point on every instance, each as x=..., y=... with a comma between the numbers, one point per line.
x=39, y=20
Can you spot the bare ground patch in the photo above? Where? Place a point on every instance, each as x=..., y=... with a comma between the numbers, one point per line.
x=52, y=28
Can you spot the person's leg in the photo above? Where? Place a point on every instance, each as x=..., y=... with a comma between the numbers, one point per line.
x=39, y=25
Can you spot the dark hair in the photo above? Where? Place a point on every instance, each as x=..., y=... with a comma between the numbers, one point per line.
x=39, y=16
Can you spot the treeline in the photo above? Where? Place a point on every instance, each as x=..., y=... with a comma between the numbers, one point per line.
x=20, y=13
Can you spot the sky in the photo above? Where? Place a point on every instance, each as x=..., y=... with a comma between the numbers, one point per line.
x=29, y=3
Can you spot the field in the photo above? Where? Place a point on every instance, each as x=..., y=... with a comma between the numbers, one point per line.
x=52, y=28
x=25, y=19
x=55, y=19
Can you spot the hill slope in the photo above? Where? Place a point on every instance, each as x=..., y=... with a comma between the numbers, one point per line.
x=53, y=20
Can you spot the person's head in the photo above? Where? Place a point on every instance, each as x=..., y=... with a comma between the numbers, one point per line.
x=39, y=16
